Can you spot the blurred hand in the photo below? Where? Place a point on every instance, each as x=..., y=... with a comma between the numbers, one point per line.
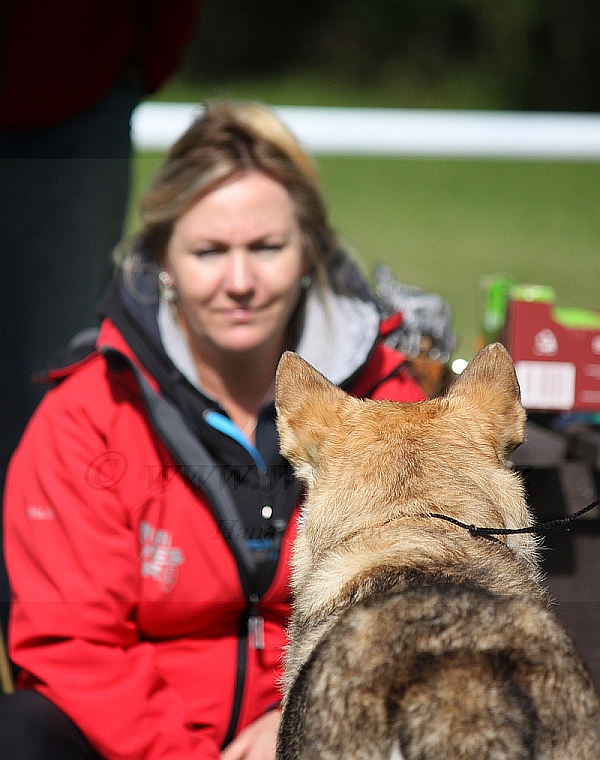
x=257, y=741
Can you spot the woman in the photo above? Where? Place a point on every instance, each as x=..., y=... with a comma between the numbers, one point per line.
x=149, y=514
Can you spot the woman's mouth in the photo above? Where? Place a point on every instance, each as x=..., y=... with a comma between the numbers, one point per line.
x=240, y=314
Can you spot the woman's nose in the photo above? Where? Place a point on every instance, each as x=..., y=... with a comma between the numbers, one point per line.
x=240, y=279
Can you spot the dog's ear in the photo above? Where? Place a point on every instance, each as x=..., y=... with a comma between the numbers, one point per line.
x=307, y=407
x=489, y=384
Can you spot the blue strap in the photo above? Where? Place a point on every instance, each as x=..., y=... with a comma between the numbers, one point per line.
x=196, y=462
x=224, y=425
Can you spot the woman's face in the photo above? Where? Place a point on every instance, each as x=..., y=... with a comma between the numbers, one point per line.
x=235, y=259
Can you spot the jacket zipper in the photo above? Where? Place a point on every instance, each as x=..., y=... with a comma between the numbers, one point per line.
x=250, y=634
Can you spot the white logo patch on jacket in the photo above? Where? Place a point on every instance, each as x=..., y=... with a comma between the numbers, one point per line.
x=159, y=559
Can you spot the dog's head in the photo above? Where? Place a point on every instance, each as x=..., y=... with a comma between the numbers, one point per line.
x=364, y=461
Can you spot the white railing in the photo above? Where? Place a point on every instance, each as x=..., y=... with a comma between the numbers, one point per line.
x=404, y=132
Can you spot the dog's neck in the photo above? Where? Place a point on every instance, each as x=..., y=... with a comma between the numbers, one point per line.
x=389, y=544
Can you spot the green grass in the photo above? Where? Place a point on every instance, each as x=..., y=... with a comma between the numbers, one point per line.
x=401, y=89
x=443, y=225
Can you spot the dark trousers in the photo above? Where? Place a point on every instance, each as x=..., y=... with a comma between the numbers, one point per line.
x=63, y=197
x=33, y=728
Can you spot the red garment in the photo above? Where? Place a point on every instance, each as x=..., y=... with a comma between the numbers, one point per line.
x=127, y=600
x=60, y=57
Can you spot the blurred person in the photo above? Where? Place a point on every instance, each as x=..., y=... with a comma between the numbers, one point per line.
x=71, y=73
x=149, y=515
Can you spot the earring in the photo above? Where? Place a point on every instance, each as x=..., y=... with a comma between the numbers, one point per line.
x=306, y=281
x=167, y=288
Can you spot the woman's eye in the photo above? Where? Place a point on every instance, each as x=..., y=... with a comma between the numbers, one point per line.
x=210, y=251
x=268, y=247
x=207, y=252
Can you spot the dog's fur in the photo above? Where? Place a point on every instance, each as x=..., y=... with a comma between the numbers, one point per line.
x=410, y=637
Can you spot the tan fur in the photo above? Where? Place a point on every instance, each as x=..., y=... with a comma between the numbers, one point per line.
x=368, y=558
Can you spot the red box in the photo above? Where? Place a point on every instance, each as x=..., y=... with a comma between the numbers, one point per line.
x=558, y=366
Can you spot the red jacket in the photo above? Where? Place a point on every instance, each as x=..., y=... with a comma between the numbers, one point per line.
x=127, y=608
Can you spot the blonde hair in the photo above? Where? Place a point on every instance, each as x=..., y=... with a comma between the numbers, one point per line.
x=225, y=140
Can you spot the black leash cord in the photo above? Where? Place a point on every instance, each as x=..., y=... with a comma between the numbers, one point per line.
x=540, y=528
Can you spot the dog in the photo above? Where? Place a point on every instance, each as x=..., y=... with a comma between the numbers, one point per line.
x=412, y=638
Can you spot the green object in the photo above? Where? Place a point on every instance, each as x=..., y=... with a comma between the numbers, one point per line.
x=577, y=319
x=494, y=290
x=570, y=317
x=532, y=293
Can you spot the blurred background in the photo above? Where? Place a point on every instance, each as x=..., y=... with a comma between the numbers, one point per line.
x=441, y=225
